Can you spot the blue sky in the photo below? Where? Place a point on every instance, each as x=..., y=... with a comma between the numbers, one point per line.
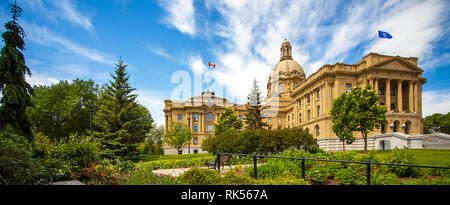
x=163, y=40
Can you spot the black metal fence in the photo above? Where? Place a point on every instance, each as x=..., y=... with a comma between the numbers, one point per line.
x=368, y=163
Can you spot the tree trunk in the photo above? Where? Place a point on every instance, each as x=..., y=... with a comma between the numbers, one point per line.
x=364, y=135
x=343, y=147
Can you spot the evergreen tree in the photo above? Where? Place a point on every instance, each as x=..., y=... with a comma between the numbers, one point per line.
x=16, y=92
x=253, y=119
x=121, y=121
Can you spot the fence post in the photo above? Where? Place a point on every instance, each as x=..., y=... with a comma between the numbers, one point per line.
x=218, y=161
x=368, y=172
x=254, y=168
x=303, y=168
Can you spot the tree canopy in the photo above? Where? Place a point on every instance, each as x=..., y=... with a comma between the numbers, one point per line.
x=58, y=113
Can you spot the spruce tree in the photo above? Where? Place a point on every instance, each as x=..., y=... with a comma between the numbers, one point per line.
x=16, y=92
x=253, y=119
x=122, y=122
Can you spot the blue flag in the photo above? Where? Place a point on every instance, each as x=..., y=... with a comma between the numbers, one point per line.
x=383, y=34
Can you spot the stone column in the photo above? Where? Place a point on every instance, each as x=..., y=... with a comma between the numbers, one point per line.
x=200, y=129
x=399, y=96
x=167, y=121
x=387, y=94
x=375, y=85
x=416, y=97
x=411, y=97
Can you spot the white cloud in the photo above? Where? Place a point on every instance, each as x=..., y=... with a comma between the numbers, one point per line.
x=69, y=12
x=180, y=14
x=44, y=36
x=154, y=101
x=61, y=9
x=39, y=79
x=414, y=25
x=435, y=101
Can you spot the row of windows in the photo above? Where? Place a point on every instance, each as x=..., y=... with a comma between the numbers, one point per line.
x=308, y=115
x=308, y=98
x=209, y=116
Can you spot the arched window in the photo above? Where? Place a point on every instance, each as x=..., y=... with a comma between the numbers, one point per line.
x=210, y=116
x=295, y=84
x=280, y=87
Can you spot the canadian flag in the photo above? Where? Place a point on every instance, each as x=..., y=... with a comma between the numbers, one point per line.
x=211, y=65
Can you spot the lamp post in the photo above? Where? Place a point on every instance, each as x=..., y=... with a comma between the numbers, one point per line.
x=83, y=105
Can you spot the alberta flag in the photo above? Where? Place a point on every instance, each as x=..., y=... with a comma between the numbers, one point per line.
x=383, y=34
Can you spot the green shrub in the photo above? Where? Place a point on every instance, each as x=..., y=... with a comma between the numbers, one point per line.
x=66, y=157
x=402, y=156
x=237, y=176
x=349, y=176
x=273, y=168
x=284, y=179
x=17, y=165
x=318, y=174
x=200, y=176
x=142, y=175
x=383, y=178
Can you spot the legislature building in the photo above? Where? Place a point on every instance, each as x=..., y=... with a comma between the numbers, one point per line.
x=294, y=100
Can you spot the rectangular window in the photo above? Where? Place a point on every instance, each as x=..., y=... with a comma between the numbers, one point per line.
x=308, y=99
x=348, y=87
x=195, y=116
x=293, y=117
x=392, y=91
x=318, y=93
x=195, y=141
x=300, y=118
x=309, y=114
x=288, y=118
x=299, y=103
x=180, y=116
x=318, y=111
x=195, y=128
x=381, y=91
x=393, y=106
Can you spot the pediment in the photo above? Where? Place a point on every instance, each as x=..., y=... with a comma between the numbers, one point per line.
x=396, y=63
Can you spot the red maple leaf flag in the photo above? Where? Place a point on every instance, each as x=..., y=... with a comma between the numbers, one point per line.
x=211, y=65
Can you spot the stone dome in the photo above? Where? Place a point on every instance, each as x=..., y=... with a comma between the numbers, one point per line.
x=287, y=64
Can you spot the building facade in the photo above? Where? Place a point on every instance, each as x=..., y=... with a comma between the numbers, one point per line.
x=199, y=113
x=294, y=100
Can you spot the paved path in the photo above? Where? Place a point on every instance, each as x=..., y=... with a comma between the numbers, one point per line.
x=178, y=171
x=73, y=182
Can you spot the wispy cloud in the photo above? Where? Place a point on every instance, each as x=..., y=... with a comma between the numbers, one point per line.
x=153, y=100
x=45, y=36
x=435, y=101
x=180, y=15
x=61, y=9
x=69, y=11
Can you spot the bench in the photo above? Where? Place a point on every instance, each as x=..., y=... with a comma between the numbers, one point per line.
x=224, y=159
